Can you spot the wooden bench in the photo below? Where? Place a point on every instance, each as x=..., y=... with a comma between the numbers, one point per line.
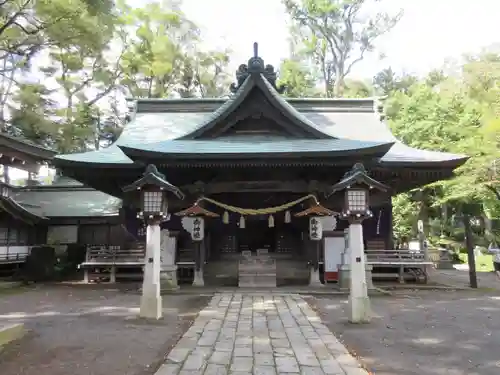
x=104, y=260
x=406, y=264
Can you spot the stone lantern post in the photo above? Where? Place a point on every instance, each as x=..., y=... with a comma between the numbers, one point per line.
x=152, y=191
x=356, y=185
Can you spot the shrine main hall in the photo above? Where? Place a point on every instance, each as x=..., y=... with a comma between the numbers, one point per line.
x=252, y=166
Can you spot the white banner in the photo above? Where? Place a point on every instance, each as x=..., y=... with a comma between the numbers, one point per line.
x=198, y=231
x=315, y=228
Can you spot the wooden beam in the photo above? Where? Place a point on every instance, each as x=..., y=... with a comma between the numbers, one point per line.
x=293, y=186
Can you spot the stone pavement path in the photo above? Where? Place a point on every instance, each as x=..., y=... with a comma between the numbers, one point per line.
x=239, y=334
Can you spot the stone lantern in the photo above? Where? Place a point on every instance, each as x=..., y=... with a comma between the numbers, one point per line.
x=356, y=185
x=151, y=190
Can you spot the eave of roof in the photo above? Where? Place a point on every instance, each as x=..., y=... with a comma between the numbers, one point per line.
x=402, y=155
x=224, y=149
x=16, y=210
x=352, y=119
x=26, y=147
x=60, y=201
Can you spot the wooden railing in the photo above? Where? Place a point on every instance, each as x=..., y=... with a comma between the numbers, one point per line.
x=400, y=264
x=396, y=257
x=101, y=255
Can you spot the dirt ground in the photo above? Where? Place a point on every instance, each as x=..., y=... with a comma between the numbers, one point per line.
x=91, y=331
x=422, y=332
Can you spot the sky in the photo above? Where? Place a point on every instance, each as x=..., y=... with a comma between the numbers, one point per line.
x=430, y=31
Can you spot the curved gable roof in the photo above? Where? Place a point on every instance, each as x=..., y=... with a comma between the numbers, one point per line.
x=257, y=82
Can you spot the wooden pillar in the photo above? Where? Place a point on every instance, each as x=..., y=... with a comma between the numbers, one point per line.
x=199, y=253
x=390, y=234
x=314, y=277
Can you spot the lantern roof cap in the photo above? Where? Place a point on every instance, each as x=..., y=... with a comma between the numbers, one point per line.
x=316, y=210
x=196, y=210
x=357, y=176
x=152, y=177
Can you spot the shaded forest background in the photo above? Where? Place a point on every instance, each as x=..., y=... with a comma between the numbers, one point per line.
x=66, y=67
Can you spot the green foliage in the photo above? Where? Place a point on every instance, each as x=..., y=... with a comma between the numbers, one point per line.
x=454, y=112
x=96, y=49
x=160, y=58
x=298, y=79
x=29, y=116
x=405, y=212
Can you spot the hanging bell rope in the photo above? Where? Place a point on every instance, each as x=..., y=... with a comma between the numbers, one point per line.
x=258, y=211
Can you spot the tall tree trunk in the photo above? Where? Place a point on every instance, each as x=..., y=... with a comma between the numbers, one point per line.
x=339, y=85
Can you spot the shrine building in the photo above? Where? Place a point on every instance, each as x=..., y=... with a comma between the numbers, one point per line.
x=257, y=150
x=254, y=166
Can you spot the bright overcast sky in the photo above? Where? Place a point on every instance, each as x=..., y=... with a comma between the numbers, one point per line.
x=430, y=31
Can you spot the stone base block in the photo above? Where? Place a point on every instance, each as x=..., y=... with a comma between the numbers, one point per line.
x=345, y=277
x=151, y=306
x=444, y=265
x=314, y=279
x=168, y=278
x=359, y=310
x=198, y=279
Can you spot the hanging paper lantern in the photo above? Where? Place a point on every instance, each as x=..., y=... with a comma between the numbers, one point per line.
x=242, y=222
x=288, y=216
x=271, y=221
x=225, y=217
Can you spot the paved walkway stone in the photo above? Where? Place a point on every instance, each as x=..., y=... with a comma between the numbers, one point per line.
x=264, y=334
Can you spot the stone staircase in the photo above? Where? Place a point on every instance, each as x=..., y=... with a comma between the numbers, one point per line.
x=257, y=270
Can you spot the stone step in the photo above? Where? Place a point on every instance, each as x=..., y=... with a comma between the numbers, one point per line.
x=240, y=271
x=257, y=275
x=253, y=281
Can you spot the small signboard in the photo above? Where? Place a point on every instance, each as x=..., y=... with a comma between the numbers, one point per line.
x=198, y=231
x=315, y=229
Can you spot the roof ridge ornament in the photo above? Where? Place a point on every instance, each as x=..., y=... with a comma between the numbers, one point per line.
x=256, y=66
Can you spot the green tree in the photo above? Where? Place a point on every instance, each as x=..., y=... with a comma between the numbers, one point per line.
x=336, y=35
x=298, y=79
x=160, y=59
x=70, y=31
x=388, y=82
x=30, y=117
x=453, y=111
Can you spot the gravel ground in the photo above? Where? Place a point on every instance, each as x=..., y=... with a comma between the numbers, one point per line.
x=422, y=332
x=91, y=331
